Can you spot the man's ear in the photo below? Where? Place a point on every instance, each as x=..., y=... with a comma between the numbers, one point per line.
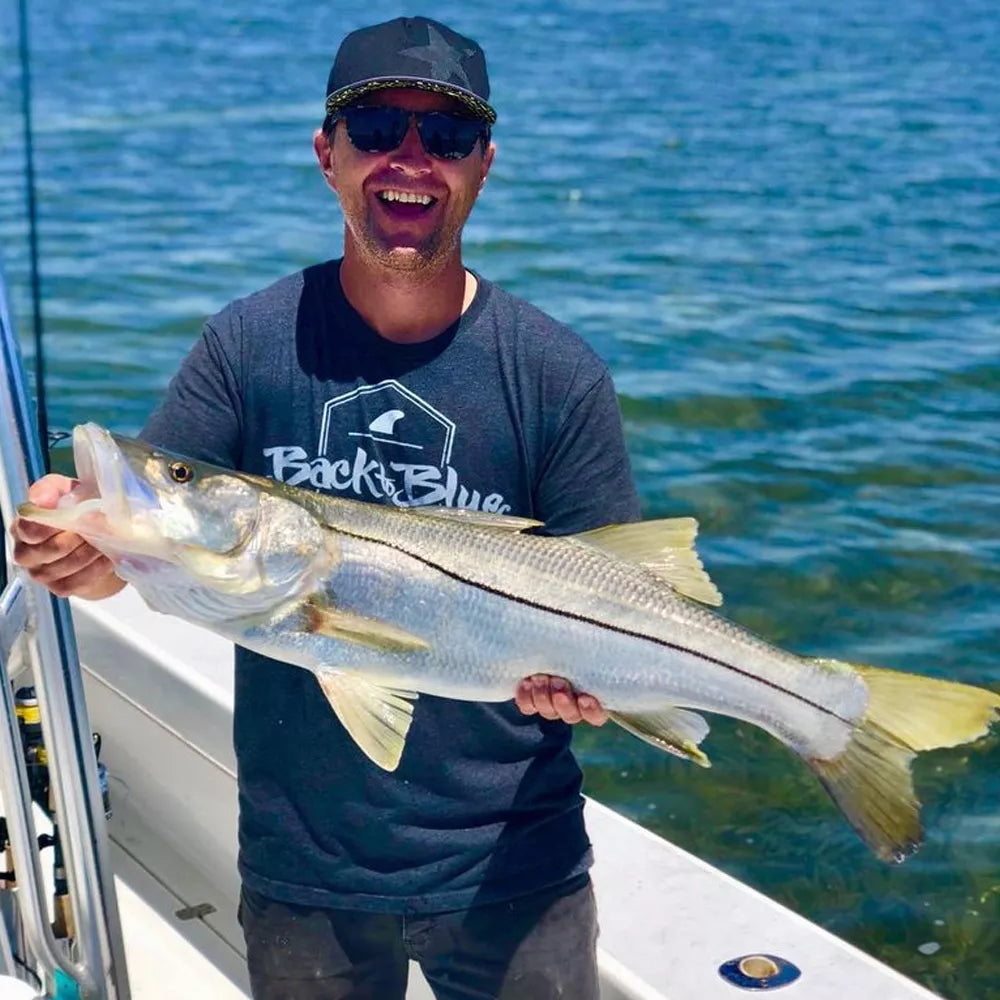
x=491, y=151
x=323, y=147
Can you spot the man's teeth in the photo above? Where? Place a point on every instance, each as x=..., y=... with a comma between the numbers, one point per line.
x=406, y=196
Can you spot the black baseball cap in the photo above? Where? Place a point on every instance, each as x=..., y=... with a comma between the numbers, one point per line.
x=410, y=52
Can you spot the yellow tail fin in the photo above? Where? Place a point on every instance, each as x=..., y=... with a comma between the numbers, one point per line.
x=871, y=781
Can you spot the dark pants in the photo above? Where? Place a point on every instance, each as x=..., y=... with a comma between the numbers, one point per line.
x=538, y=947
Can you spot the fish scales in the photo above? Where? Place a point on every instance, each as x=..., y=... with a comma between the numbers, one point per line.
x=484, y=636
x=582, y=581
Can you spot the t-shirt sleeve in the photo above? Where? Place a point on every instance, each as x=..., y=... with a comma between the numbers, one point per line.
x=586, y=479
x=201, y=414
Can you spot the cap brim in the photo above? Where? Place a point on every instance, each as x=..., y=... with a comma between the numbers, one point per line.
x=348, y=95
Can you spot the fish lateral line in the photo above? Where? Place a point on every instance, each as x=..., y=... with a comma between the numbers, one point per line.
x=583, y=619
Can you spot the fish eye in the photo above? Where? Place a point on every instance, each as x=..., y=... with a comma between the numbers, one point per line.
x=181, y=472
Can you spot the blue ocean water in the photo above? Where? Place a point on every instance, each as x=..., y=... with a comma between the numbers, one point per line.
x=777, y=221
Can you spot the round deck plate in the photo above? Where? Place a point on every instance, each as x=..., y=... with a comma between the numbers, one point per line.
x=759, y=972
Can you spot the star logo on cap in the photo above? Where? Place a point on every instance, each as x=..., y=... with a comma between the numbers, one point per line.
x=441, y=58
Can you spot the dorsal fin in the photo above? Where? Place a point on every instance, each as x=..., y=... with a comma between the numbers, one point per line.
x=665, y=547
x=506, y=521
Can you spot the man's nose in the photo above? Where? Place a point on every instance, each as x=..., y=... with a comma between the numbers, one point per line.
x=410, y=153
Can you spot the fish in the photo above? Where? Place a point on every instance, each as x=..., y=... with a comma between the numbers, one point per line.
x=385, y=603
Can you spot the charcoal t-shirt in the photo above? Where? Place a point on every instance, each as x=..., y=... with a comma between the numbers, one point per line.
x=506, y=411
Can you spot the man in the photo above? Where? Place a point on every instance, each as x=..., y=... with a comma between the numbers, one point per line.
x=396, y=375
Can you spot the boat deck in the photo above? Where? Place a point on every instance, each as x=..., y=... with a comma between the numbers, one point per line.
x=160, y=693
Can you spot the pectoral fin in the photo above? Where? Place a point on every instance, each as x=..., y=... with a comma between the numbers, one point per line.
x=676, y=730
x=326, y=619
x=378, y=718
x=665, y=547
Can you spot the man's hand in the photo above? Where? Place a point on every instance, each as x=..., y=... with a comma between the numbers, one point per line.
x=61, y=560
x=554, y=698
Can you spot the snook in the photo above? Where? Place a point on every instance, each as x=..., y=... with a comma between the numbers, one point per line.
x=382, y=603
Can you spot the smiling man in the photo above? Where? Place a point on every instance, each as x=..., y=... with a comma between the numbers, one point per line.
x=405, y=206
x=397, y=375
x=407, y=211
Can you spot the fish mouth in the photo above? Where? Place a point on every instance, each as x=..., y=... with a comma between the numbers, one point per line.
x=108, y=480
x=98, y=462
x=107, y=495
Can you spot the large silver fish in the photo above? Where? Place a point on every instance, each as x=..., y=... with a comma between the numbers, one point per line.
x=382, y=603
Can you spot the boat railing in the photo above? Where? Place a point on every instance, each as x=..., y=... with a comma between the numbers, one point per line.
x=35, y=626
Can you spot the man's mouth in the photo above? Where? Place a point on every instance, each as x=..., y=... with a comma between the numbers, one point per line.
x=405, y=204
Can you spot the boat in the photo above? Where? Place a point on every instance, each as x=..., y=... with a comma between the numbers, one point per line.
x=132, y=855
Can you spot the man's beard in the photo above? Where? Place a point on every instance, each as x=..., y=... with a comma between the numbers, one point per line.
x=428, y=254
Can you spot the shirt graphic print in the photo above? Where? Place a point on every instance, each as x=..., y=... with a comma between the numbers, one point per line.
x=399, y=451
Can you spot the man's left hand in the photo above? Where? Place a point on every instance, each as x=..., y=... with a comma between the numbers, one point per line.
x=554, y=698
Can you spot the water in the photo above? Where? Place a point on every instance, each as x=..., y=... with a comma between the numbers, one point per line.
x=778, y=223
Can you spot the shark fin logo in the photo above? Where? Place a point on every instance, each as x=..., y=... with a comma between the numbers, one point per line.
x=382, y=430
x=384, y=442
x=385, y=423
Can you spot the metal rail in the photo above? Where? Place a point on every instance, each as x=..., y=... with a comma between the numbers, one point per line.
x=96, y=958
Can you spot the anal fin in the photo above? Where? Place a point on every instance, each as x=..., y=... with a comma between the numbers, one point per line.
x=676, y=730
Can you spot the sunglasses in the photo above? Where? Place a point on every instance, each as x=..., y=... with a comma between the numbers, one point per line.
x=381, y=129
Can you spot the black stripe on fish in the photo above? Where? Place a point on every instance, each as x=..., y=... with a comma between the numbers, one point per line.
x=590, y=621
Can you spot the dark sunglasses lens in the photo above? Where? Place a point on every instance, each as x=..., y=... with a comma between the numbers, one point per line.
x=448, y=137
x=376, y=130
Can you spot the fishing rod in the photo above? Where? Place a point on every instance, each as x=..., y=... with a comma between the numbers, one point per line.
x=36, y=289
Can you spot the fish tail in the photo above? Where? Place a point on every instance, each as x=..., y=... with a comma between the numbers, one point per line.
x=871, y=781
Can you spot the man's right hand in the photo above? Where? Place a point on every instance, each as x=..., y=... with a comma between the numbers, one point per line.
x=61, y=560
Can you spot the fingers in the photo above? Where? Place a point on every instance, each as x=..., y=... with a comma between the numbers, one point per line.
x=592, y=710
x=68, y=566
x=59, y=560
x=524, y=699
x=47, y=491
x=557, y=700
x=44, y=492
x=50, y=551
x=553, y=698
x=30, y=532
x=95, y=579
x=63, y=563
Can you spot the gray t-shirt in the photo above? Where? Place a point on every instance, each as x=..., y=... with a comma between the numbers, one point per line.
x=507, y=411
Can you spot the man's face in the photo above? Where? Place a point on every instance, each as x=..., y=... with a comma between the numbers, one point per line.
x=403, y=234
